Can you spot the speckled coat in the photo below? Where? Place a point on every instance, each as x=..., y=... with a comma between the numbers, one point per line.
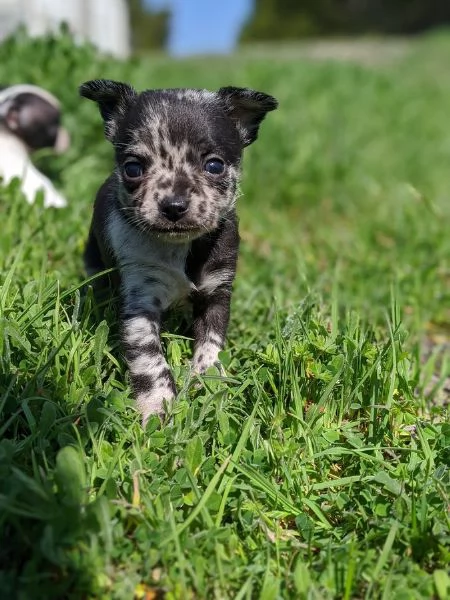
x=166, y=217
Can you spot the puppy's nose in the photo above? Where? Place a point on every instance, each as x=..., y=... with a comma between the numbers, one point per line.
x=174, y=207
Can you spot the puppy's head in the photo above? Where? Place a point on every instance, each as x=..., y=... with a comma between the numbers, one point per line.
x=178, y=151
x=33, y=115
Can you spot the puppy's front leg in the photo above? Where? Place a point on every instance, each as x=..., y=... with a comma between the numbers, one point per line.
x=211, y=316
x=150, y=375
x=213, y=266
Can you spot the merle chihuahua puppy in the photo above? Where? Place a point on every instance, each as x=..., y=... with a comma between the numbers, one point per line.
x=166, y=217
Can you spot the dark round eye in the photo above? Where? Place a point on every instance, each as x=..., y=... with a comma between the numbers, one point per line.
x=133, y=170
x=215, y=166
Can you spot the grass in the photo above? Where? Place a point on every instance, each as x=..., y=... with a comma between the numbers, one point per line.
x=318, y=468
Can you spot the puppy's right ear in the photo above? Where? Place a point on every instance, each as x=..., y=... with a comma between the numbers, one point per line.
x=113, y=99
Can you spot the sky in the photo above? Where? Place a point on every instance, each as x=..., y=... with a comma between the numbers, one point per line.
x=204, y=26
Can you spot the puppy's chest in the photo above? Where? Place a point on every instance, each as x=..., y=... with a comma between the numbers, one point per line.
x=14, y=158
x=149, y=267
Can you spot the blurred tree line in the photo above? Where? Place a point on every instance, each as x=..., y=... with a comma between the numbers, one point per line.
x=149, y=28
x=293, y=19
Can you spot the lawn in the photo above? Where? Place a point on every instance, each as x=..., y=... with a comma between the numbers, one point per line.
x=318, y=468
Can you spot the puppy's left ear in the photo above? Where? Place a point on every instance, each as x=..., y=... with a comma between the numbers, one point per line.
x=247, y=108
x=113, y=99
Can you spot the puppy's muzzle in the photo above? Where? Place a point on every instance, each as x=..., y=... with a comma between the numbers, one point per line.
x=174, y=207
x=62, y=142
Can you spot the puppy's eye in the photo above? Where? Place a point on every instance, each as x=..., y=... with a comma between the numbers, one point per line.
x=133, y=170
x=214, y=166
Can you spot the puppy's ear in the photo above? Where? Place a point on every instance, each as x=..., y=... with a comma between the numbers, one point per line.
x=113, y=99
x=247, y=108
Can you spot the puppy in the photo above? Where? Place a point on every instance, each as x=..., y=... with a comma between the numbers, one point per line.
x=30, y=120
x=166, y=217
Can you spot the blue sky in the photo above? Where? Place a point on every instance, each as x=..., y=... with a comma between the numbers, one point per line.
x=200, y=26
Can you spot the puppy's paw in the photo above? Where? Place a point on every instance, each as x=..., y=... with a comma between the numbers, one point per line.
x=206, y=356
x=55, y=200
x=216, y=365
x=153, y=402
x=216, y=369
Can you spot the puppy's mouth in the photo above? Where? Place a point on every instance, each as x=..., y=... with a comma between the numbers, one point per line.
x=179, y=233
x=185, y=230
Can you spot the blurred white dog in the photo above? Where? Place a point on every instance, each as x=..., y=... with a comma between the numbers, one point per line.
x=30, y=120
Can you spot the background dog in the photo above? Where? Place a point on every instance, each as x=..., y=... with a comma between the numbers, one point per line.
x=30, y=120
x=166, y=216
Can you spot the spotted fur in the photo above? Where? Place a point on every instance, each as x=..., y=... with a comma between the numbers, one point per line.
x=172, y=229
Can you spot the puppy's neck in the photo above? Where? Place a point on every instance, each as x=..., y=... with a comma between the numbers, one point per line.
x=12, y=144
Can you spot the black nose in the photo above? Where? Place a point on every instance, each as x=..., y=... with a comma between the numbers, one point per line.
x=174, y=207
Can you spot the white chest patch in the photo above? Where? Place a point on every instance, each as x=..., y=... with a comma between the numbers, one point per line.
x=15, y=162
x=148, y=264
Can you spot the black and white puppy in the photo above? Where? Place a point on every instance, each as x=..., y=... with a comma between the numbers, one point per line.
x=30, y=120
x=166, y=216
